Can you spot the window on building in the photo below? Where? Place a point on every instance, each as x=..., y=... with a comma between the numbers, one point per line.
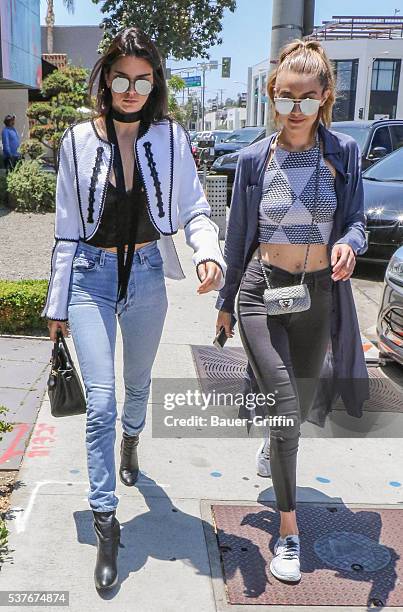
x=255, y=99
x=384, y=88
x=346, y=87
x=263, y=94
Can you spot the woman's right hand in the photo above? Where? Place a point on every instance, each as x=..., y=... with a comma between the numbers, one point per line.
x=224, y=320
x=53, y=326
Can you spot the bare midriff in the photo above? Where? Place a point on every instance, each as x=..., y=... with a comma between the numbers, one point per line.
x=291, y=257
x=136, y=247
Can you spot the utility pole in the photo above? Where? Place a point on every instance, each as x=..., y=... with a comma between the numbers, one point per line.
x=291, y=19
x=203, y=91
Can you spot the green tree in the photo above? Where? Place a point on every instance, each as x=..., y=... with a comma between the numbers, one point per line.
x=175, y=85
x=50, y=20
x=66, y=92
x=181, y=28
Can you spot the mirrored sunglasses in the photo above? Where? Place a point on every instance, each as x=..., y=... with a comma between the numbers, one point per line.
x=121, y=84
x=308, y=106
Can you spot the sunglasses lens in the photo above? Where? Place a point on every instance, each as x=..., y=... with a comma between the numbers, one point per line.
x=283, y=105
x=143, y=87
x=120, y=84
x=309, y=106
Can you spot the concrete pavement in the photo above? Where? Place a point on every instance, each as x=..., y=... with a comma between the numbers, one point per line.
x=164, y=565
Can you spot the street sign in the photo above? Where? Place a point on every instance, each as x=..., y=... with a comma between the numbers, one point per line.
x=213, y=64
x=192, y=81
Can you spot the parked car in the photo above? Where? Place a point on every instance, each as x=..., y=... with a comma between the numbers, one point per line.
x=383, y=201
x=389, y=325
x=375, y=138
x=226, y=163
x=238, y=139
x=217, y=136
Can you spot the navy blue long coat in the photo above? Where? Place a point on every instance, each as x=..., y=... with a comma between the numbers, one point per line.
x=344, y=371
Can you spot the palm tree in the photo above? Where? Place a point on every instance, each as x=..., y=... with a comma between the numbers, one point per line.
x=50, y=20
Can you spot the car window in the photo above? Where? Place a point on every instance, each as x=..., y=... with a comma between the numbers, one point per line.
x=244, y=135
x=381, y=138
x=397, y=135
x=389, y=168
x=359, y=133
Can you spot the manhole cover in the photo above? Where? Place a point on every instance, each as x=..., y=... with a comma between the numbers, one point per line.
x=246, y=536
x=223, y=371
x=351, y=552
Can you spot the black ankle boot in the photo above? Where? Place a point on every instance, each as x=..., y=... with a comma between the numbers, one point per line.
x=129, y=465
x=107, y=530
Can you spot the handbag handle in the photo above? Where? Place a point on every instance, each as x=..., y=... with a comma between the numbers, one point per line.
x=313, y=215
x=60, y=338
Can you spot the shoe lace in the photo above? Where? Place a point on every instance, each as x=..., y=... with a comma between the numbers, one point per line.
x=291, y=549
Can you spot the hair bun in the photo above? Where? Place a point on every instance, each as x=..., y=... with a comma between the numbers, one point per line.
x=314, y=45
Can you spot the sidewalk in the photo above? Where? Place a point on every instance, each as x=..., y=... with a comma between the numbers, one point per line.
x=164, y=565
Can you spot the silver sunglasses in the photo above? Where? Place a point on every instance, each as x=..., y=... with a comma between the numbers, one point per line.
x=308, y=106
x=121, y=84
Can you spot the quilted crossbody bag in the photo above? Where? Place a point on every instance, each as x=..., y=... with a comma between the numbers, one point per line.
x=293, y=298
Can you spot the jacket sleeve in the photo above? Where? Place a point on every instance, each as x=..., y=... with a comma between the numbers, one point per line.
x=67, y=233
x=194, y=213
x=235, y=237
x=5, y=142
x=354, y=229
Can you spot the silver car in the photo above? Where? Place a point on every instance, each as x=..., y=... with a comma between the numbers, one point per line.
x=389, y=325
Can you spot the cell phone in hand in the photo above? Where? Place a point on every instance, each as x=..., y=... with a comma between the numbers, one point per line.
x=221, y=337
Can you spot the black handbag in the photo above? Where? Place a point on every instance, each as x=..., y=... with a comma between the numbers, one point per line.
x=64, y=386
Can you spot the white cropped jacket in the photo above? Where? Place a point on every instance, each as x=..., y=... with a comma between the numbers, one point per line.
x=175, y=199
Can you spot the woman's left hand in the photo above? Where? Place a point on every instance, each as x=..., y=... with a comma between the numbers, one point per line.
x=342, y=262
x=209, y=274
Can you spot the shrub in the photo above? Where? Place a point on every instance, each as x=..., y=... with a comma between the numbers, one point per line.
x=32, y=187
x=21, y=304
x=3, y=190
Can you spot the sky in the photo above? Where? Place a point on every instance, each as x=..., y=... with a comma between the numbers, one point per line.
x=245, y=34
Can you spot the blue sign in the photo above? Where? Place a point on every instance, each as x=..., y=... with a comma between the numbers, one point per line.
x=193, y=81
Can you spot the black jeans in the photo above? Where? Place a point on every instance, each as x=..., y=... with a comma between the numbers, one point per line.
x=286, y=353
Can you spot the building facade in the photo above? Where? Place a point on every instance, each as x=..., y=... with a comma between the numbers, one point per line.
x=79, y=43
x=20, y=58
x=368, y=67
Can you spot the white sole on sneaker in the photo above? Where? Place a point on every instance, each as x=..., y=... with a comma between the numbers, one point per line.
x=263, y=468
x=282, y=577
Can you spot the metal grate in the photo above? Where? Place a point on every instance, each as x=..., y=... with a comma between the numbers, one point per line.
x=359, y=561
x=216, y=194
x=223, y=370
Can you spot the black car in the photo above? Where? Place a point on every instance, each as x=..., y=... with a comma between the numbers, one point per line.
x=383, y=201
x=239, y=139
x=389, y=325
x=375, y=138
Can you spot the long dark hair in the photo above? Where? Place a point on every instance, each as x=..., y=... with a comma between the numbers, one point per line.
x=134, y=42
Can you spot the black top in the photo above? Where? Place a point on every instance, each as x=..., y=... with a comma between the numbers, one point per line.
x=108, y=229
x=125, y=218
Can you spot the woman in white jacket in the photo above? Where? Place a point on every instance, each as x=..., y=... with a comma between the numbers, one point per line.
x=126, y=182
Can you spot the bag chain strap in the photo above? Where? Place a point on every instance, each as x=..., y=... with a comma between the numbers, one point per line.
x=313, y=216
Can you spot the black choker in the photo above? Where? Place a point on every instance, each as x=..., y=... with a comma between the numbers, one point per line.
x=126, y=117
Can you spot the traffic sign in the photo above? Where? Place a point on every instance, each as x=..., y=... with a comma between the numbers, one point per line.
x=226, y=68
x=192, y=81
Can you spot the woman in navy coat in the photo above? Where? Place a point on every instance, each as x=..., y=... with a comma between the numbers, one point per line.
x=300, y=187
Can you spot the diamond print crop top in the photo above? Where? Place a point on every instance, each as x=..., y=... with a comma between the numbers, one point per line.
x=287, y=204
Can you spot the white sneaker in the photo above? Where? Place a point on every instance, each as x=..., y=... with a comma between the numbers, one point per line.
x=285, y=563
x=263, y=459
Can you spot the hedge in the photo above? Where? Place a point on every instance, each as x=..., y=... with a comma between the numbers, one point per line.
x=21, y=304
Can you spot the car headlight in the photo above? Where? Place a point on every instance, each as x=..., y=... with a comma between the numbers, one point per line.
x=394, y=271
